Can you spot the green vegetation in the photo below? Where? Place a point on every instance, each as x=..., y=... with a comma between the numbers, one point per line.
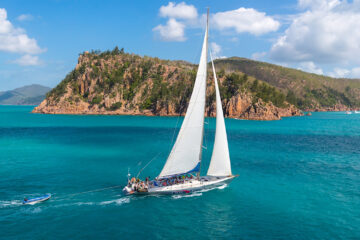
x=304, y=90
x=115, y=106
x=146, y=83
x=60, y=89
x=96, y=100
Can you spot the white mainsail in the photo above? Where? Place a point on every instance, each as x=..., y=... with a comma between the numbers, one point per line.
x=220, y=159
x=185, y=155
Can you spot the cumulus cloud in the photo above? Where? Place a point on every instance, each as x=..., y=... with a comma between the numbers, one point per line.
x=25, y=17
x=172, y=31
x=181, y=10
x=14, y=39
x=181, y=16
x=310, y=67
x=216, y=50
x=345, y=73
x=327, y=32
x=339, y=73
x=28, y=60
x=318, y=4
x=245, y=20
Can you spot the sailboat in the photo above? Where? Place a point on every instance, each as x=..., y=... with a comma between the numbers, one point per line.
x=181, y=172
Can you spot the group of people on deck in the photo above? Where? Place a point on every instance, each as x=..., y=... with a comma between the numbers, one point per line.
x=174, y=180
x=138, y=185
x=143, y=186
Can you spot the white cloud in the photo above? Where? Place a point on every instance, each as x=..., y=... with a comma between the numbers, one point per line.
x=15, y=39
x=327, y=32
x=25, y=17
x=180, y=10
x=339, y=73
x=318, y=4
x=181, y=16
x=345, y=73
x=28, y=60
x=258, y=55
x=216, y=50
x=355, y=72
x=245, y=20
x=310, y=67
x=172, y=31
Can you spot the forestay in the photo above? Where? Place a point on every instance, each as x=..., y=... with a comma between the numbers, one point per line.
x=185, y=155
x=220, y=159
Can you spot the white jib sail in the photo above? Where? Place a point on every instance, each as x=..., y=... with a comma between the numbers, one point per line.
x=185, y=155
x=220, y=160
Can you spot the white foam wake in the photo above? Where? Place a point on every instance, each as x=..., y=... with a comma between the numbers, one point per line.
x=12, y=203
x=194, y=194
x=119, y=201
x=198, y=193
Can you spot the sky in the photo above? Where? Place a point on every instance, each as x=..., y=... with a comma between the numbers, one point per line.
x=40, y=40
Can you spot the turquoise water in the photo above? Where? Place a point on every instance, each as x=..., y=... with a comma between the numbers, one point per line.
x=299, y=179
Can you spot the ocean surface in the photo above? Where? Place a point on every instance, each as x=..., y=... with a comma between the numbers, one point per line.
x=299, y=178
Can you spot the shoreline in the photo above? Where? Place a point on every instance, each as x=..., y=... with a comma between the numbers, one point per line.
x=150, y=115
x=117, y=113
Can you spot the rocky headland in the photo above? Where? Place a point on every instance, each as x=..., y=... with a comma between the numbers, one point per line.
x=115, y=82
x=119, y=83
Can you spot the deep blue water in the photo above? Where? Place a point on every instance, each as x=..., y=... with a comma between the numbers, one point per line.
x=299, y=179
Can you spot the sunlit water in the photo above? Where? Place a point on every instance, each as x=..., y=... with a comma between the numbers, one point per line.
x=299, y=179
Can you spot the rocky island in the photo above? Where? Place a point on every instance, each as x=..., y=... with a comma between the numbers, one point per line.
x=115, y=82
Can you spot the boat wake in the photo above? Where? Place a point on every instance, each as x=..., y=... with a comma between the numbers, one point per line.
x=198, y=193
x=222, y=186
x=194, y=194
x=7, y=204
x=84, y=203
x=33, y=210
x=119, y=201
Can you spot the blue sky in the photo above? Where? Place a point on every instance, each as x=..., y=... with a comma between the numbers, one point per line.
x=40, y=40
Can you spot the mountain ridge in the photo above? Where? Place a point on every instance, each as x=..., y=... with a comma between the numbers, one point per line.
x=32, y=94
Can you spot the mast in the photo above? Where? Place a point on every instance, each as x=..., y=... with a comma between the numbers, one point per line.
x=185, y=156
x=202, y=138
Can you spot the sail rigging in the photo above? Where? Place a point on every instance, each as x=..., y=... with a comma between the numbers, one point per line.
x=185, y=156
x=220, y=159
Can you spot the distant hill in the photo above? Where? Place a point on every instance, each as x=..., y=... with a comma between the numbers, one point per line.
x=304, y=90
x=27, y=95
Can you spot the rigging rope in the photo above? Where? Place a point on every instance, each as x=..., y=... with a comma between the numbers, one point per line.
x=96, y=190
x=147, y=164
